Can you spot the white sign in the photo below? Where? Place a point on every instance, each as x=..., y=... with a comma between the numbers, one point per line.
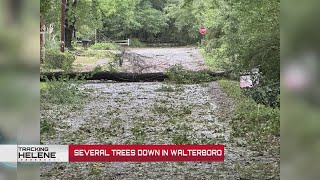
x=250, y=79
x=246, y=81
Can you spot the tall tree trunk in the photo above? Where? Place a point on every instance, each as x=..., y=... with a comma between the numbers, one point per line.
x=68, y=35
x=70, y=24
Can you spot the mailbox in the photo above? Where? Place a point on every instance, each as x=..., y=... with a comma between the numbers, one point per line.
x=85, y=43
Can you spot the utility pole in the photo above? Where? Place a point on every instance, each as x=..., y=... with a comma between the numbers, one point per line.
x=63, y=14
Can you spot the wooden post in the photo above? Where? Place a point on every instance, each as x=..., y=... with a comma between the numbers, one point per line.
x=63, y=13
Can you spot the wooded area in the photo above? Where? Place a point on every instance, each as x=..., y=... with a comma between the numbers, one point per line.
x=240, y=34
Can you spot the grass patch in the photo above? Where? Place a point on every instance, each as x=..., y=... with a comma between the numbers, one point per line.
x=259, y=124
x=171, y=111
x=86, y=60
x=47, y=127
x=99, y=54
x=105, y=46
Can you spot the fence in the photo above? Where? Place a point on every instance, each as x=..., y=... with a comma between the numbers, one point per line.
x=120, y=42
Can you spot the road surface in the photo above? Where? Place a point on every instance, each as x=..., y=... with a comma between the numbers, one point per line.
x=153, y=113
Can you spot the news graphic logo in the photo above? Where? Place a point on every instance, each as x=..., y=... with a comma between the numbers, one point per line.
x=43, y=153
x=146, y=153
x=13, y=154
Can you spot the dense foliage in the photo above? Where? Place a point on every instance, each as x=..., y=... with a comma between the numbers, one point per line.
x=258, y=124
x=147, y=20
x=241, y=35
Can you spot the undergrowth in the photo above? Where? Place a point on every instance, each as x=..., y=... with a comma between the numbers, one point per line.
x=179, y=75
x=105, y=46
x=54, y=59
x=135, y=42
x=62, y=91
x=257, y=123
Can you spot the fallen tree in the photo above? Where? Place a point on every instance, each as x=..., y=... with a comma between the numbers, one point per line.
x=116, y=76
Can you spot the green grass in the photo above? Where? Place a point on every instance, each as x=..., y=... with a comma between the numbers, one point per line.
x=172, y=111
x=105, y=46
x=258, y=124
x=99, y=54
x=86, y=60
x=47, y=127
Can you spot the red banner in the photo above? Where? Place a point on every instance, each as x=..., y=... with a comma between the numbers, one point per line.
x=145, y=153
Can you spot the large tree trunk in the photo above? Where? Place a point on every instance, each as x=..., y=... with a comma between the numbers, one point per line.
x=70, y=24
x=119, y=76
x=68, y=35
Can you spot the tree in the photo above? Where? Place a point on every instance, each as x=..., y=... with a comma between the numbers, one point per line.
x=81, y=15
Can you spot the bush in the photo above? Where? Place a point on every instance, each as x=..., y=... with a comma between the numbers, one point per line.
x=178, y=74
x=105, y=46
x=135, y=42
x=266, y=95
x=61, y=91
x=55, y=59
x=249, y=116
